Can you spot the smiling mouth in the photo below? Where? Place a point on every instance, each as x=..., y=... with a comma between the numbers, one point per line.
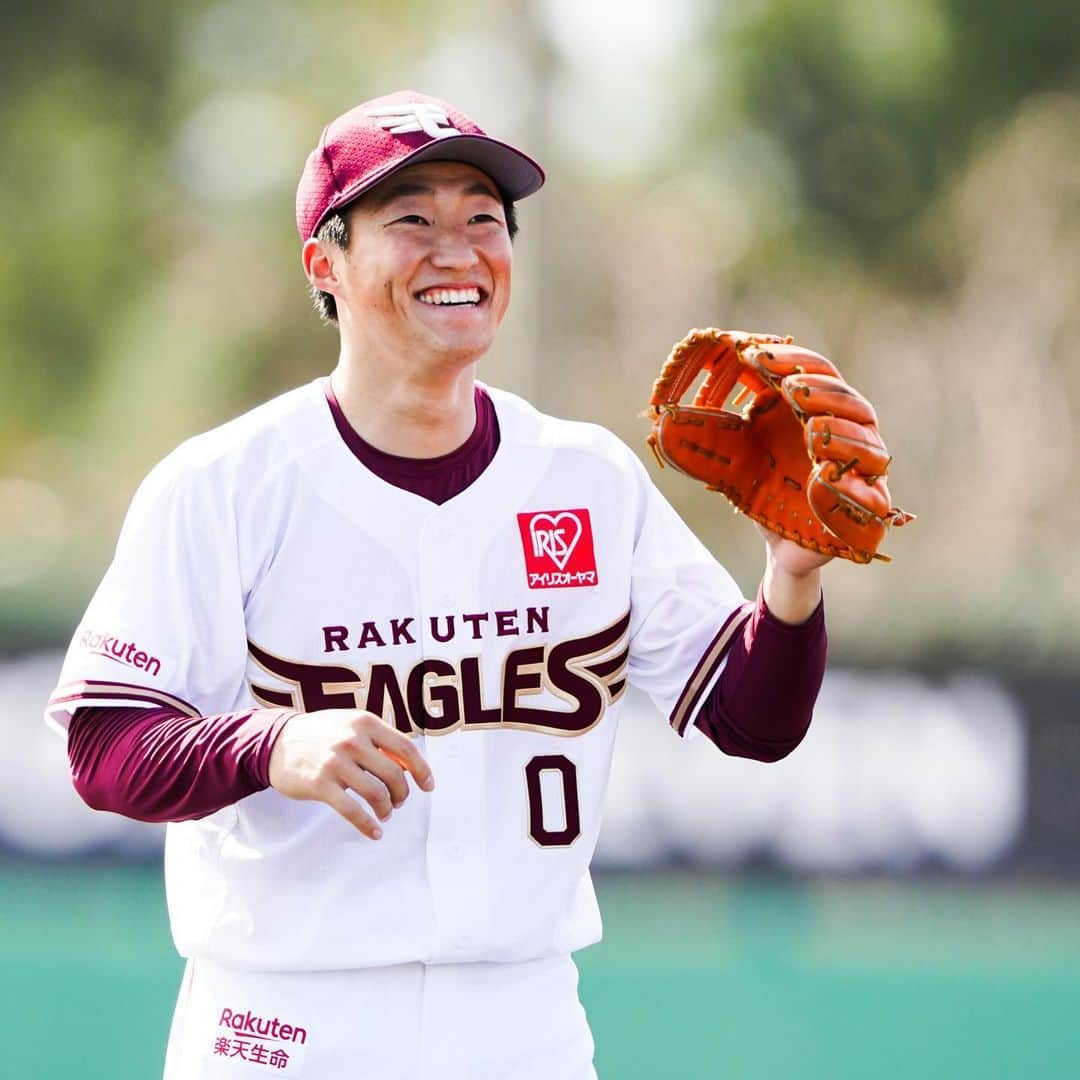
x=470, y=297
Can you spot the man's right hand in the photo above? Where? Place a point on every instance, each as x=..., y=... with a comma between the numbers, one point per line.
x=324, y=755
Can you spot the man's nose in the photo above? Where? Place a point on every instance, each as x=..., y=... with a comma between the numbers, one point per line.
x=453, y=252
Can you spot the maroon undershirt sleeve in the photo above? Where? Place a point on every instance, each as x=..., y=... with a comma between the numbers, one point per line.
x=761, y=706
x=162, y=765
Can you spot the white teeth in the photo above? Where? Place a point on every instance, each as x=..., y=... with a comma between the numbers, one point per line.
x=451, y=296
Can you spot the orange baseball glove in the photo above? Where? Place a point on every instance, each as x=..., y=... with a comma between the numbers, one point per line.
x=776, y=429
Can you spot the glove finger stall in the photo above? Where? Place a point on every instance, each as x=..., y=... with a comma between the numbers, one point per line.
x=857, y=446
x=776, y=362
x=856, y=509
x=813, y=395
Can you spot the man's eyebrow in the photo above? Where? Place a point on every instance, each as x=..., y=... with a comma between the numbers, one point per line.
x=480, y=188
x=405, y=188
x=401, y=190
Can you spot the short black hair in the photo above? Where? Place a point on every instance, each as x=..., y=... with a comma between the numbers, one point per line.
x=335, y=230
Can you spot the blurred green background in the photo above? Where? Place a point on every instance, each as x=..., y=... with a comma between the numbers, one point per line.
x=698, y=977
x=894, y=182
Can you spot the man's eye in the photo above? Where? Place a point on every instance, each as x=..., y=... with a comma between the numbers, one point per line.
x=410, y=219
x=484, y=218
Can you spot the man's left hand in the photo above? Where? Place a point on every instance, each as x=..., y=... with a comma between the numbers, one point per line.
x=792, y=581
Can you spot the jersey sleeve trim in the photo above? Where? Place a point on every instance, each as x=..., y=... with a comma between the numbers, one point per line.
x=702, y=676
x=87, y=690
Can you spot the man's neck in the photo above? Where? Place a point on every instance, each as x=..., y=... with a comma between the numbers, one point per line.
x=406, y=413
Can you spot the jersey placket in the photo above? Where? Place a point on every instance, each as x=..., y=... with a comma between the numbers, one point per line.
x=456, y=863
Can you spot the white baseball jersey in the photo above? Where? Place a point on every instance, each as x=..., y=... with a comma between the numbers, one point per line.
x=263, y=564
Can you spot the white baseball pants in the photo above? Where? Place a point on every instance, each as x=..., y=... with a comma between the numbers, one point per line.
x=409, y=1022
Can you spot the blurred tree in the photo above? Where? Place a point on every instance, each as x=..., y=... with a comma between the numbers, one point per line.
x=82, y=114
x=877, y=102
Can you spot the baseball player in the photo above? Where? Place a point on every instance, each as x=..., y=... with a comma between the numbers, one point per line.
x=365, y=648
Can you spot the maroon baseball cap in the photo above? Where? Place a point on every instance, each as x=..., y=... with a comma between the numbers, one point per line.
x=376, y=139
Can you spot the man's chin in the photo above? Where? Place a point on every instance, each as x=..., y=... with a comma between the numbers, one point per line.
x=459, y=348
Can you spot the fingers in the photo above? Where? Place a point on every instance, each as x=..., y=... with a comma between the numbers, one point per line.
x=390, y=773
x=402, y=750
x=369, y=787
x=373, y=765
x=351, y=810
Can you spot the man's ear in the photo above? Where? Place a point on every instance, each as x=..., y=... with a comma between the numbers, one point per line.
x=318, y=259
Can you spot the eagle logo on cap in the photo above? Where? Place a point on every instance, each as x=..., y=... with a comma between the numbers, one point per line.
x=414, y=116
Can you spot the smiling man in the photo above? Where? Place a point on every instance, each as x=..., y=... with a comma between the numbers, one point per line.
x=392, y=616
x=419, y=286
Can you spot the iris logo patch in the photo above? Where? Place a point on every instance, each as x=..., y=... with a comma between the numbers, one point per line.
x=558, y=549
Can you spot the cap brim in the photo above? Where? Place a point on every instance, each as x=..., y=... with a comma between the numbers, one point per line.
x=515, y=173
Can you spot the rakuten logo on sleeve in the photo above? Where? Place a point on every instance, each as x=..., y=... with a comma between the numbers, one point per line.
x=558, y=549
x=127, y=653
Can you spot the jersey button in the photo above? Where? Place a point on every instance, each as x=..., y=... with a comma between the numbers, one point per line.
x=456, y=851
